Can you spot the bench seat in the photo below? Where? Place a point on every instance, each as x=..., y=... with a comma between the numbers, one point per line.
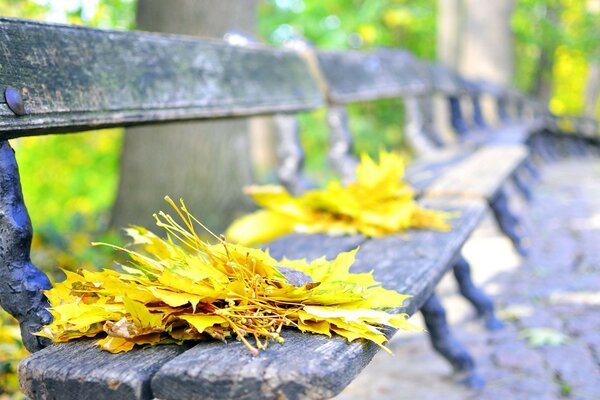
x=482, y=174
x=422, y=171
x=512, y=133
x=306, y=366
x=465, y=171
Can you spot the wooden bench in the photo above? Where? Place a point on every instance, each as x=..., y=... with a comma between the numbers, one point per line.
x=59, y=79
x=359, y=76
x=547, y=136
x=568, y=135
x=356, y=76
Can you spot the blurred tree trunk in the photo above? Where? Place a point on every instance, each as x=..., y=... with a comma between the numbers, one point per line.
x=592, y=88
x=542, y=83
x=475, y=38
x=206, y=163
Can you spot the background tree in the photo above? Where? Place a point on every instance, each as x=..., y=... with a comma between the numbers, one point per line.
x=205, y=163
x=474, y=37
x=591, y=46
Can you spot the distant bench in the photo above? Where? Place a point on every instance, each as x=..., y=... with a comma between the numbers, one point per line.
x=59, y=79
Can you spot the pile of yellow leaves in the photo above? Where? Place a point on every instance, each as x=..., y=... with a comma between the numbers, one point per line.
x=183, y=288
x=376, y=204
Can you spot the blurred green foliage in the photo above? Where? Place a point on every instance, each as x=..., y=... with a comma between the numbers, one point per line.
x=347, y=24
x=555, y=40
x=69, y=183
x=341, y=24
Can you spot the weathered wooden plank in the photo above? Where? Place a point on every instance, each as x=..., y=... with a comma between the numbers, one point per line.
x=422, y=171
x=352, y=76
x=490, y=88
x=80, y=370
x=297, y=246
x=313, y=366
x=481, y=175
x=304, y=367
x=77, y=78
x=445, y=81
x=413, y=263
x=514, y=133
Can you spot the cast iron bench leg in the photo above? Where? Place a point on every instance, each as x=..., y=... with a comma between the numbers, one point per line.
x=476, y=296
x=545, y=148
x=574, y=147
x=582, y=149
x=509, y=222
x=21, y=283
x=522, y=185
x=531, y=169
x=537, y=147
x=446, y=344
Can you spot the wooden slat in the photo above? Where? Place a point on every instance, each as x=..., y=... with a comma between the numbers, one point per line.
x=297, y=246
x=423, y=171
x=445, y=81
x=490, y=88
x=515, y=133
x=313, y=366
x=76, y=78
x=414, y=262
x=352, y=76
x=80, y=370
x=482, y=174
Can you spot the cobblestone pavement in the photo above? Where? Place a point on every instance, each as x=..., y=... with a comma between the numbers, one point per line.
x=557, y=289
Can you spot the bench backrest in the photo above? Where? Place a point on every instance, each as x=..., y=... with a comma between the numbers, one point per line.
x=58, y=79
x=360, y=76
x=354, y=76
x=74, y=78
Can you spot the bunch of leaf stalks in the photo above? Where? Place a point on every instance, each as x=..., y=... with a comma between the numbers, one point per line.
x=378, y=203
x=183, y=288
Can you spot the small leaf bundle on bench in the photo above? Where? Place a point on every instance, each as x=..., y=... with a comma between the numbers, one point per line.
x=378, y=203
x=184, y=288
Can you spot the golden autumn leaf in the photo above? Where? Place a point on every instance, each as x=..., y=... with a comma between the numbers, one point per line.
x=184, y=288
x=376, y=204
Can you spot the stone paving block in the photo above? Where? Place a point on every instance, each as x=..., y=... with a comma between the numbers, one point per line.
x=518, y=357
x=574, y=364
x=541, y=318
x=524, y=387
x=592, y=339
x=583, y=324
